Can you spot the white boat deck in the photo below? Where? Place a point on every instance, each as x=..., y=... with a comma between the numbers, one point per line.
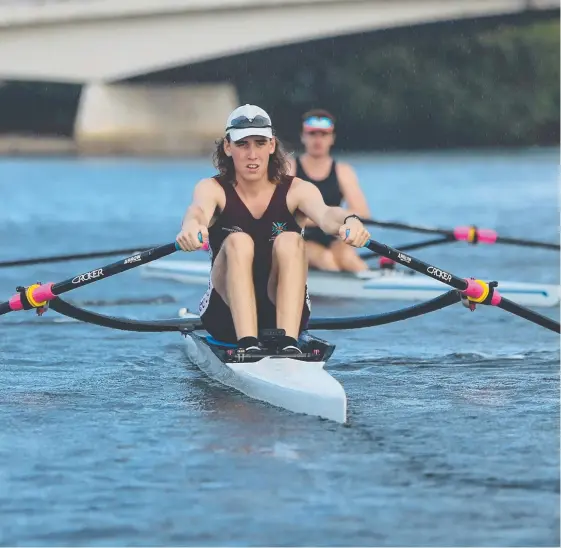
x=296, y=385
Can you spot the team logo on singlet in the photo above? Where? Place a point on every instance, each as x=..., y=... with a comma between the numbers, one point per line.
x=278, y=228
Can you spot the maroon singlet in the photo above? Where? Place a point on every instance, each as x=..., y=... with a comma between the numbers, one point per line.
x=236, y=217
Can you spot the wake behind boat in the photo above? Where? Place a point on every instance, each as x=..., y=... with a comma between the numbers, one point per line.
x=380, y=284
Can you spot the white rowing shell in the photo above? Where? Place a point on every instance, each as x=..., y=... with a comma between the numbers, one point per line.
x=296, y=385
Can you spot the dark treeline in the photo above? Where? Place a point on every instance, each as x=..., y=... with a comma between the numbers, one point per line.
x=441, y=86
x=452, y=85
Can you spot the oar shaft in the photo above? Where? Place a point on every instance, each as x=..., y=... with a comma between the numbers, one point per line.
x=403, y=226
x=73, y=257
x=114, y=268
x=527, y=243
x=470, y=234
x=477, y=290
x=530, y=315
x=419, y=266
x=80, y=256
x=42, y=293
x=410, y=247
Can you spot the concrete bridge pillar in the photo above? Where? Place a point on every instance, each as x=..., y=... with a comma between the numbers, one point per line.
x=152, y=119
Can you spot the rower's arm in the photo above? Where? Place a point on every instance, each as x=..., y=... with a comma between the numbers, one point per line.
x=206, y=198
x=350, y=189
x=309, y=201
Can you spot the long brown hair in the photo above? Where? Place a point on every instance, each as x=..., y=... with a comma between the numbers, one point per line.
x=277, y=169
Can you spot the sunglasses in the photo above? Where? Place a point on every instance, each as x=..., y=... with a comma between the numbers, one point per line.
x=316, y=122
x=243, y=122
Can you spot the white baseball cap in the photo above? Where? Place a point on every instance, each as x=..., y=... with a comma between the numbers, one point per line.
x=248, y=120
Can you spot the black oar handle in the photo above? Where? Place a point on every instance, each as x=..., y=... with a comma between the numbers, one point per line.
x=38, y=295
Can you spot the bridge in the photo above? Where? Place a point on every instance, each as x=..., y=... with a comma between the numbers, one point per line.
x=105, y=41
x=101, y=43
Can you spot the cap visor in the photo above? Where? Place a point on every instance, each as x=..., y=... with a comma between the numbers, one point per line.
x=237, y=134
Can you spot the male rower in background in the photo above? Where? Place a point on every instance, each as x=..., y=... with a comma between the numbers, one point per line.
x=252, y=214
x=337, y=183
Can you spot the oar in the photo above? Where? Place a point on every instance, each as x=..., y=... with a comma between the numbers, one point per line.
x=477, y=291
x=470, y=234
x=37, y=296
x=410, y=247
x=78, y=256
x=75, y=256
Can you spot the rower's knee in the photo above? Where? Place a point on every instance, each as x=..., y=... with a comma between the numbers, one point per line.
x=289, y=244
x=239, y=245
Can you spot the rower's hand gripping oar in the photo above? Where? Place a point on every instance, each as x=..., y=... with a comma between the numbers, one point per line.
x=469, y=234
x=476, y=291
x=38, y=295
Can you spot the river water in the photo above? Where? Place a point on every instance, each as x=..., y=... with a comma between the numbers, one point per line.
x=111, y=438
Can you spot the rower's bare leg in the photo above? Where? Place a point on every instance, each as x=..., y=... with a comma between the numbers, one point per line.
x=232, y=278
x=320, y=257
x=346, y=257
x=287, y=281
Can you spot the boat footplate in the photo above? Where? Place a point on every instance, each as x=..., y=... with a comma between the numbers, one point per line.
x=237, y=356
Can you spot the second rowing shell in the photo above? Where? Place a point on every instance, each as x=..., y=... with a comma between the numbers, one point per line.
x=372, y=284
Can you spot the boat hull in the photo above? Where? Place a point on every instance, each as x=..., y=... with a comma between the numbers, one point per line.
x=300, y=386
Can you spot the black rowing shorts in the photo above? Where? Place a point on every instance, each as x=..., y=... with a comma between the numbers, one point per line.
x=217, y=317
